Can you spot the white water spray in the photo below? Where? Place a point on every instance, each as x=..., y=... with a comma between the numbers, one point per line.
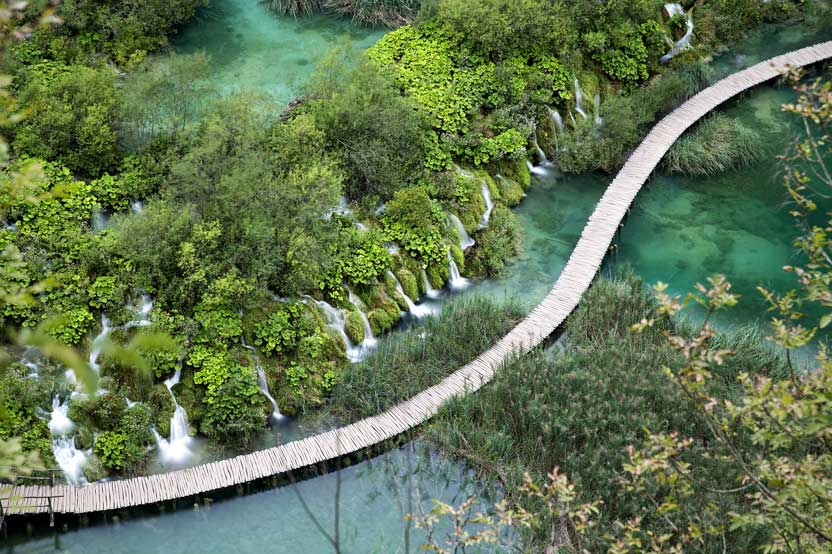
x=598, y=120
x=535, y=169
x=489, y=205
x=337, y=320
x=430, y=292
x=95, y=349
x=465, y=240
x=369, y=340
x=59, y=423
x=70, y=459
x=417, y=310
x=136, y=206
x=684, y=42
x=263, y=383
x=541, y=155
x=456, y=280
x=579, y=99
x=176, y=449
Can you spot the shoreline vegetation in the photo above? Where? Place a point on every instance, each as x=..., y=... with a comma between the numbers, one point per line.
x=273, y=249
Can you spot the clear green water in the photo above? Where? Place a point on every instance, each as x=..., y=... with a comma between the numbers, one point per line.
x=373, y=501
x=251, y=48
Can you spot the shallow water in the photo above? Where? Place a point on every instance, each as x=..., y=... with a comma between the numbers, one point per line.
x=373, y=501
x=251, y=48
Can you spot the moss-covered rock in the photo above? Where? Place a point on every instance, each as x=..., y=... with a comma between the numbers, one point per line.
x=409, y=283
x=84, y=438
x=459, y=257
x=496, y=244
x=515, y=170
x=384, y=319
x=511, y=193
x=93, y=470
x=437, y=275
x=354, y=326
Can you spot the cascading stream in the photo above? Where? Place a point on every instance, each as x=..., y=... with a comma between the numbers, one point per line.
x=70, y=459
x=456, y=280
x=465, y=240
x=263, y=383
x=489, y=205
x=579, y=99
x=337, y=320
x=176, y=449
x=430, y=292
x=684, y=42
x=418, y=311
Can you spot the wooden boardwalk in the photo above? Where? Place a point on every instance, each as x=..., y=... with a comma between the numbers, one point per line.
x=573, y=281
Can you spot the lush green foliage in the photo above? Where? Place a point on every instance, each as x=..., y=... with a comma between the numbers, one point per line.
x=369, y=12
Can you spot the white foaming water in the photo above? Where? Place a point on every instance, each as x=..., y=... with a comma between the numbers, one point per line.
x=142, y=311
x=136, y=206
x=418, y=311
x=95, y=349
x=557, y=120
x=392, y=247
x=70, y=459
x=430, y=292
x=264, y=384
x=99, y=221
x=59, y=423
x=579, y=99
x=342, y=208
x=337, y=320
x=176, y=449
x=489, y=205
x=540, y=153
x=465, y=240
x=684, y=42
x=456, y=281
x=369, y=340
x=536, y=169
x=597, y=103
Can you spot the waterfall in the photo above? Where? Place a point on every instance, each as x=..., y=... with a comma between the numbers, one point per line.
x=261, y=380
x=336, y=320
x=95, y=349
x=557, y=120
x=684, y=42
x=465, y=240
x=59, y=423
x=136, y=206
x=579, y=99
x=456, y=281
x=99, y=221
x=360, y=226
x=489, y=205
x=369, y=340
x=141, y=312
x=540, y=153
x=70, y=459
x=597, y=102
x=418, y=311
x=429, y=290
x=341, y=209
x=177, y=448
x=392, y=247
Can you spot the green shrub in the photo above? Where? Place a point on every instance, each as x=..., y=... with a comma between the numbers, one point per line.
x=496, y=244
x=111, y=449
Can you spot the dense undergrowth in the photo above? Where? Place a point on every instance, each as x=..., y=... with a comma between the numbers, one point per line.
x=225, y=211
x=581, y=406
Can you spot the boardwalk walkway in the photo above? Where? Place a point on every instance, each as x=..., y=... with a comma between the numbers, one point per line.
x=576, y=277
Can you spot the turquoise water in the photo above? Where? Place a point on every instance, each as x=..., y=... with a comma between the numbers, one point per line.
x=251, y=48
x=373, y=500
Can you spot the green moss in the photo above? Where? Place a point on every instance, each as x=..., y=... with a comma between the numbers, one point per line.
x=458, y=256
x=93, y=470
x=409, y=283
x=354, y=327
x=515, y=170
x=438, y=274
x=384, y=319
x=84, y=438
x=496, y=244
x=511, y=192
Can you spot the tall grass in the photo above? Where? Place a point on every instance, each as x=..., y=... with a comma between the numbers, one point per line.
x=579, y=407
x=390, y=13
x=410, y=361
x=717, y=144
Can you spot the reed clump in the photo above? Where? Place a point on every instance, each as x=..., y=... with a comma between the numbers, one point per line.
x=409, y=361
x=719, y=143
x=389, y=13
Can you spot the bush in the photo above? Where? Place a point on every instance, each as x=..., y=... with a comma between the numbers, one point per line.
x=72, y=117
x=496, y=244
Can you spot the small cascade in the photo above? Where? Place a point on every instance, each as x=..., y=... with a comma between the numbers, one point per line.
x=336, y=319
x=392, y=247
x=263, y=383
x=456, y=280
x=95, y=349
x=176, y=449
x=418, y=311
x=684, y=42
x=557, y=120
x=598, y=119
x=342, y=208
x=489, y=205
x=579, y=99
x=59, y=423
x=465, y=240
x=360, y=226
x=136, y=206
x=142, y=311
x=541, y=155
x=70, y=459
x=430, y=292
x=369, y=340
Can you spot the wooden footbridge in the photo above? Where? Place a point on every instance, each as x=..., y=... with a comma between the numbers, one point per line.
x=576, y=277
